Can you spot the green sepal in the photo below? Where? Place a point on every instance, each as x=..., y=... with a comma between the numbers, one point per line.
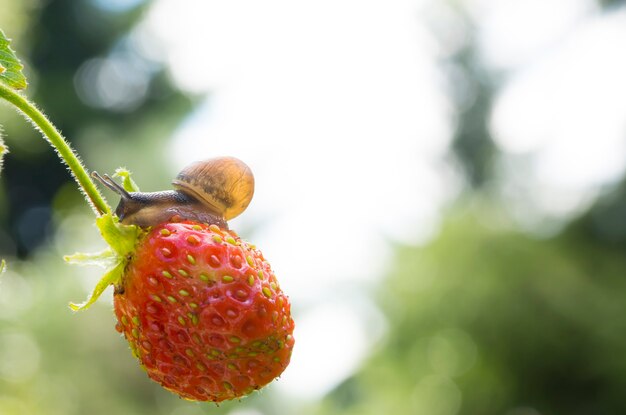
x=3, y=266
x=114, y=276
x=127, y=182
x=10, y=66
x=122, y=240
x=104, y=259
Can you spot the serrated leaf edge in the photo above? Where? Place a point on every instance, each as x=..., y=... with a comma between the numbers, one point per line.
x=12, y=67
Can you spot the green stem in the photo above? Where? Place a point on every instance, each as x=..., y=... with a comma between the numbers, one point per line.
x=30, y=111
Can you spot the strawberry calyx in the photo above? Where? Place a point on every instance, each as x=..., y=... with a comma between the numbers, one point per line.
x=122, y=240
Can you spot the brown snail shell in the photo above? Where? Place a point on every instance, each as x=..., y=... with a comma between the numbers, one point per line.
x=225, y=185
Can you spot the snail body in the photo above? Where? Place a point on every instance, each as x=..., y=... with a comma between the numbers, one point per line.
x=210, y=191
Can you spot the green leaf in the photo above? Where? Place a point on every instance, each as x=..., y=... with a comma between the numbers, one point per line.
x=10, y=66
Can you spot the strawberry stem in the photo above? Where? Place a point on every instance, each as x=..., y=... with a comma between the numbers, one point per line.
x=65, y=152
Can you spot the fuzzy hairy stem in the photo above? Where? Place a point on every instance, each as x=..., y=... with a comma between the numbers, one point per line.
x=65, y=152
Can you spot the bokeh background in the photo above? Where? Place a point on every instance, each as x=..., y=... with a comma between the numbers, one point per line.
x=440, y=190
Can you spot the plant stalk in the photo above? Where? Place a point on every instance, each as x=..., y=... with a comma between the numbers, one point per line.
x=65, y=152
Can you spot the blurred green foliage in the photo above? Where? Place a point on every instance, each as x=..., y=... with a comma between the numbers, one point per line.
x=611, y=3
x=488, y=320
x=472, y=144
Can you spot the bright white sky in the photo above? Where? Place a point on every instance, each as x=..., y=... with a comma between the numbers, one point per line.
x=562, y=115
x=340, y=109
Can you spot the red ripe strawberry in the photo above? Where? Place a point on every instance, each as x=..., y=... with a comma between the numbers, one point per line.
x=203, y=312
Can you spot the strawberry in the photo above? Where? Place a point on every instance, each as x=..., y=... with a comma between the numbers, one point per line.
x=203, y=312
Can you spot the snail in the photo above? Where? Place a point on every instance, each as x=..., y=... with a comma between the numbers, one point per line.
x=210, y=191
